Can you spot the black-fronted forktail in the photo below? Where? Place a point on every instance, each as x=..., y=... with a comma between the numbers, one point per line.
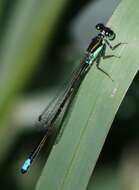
x=95, y=51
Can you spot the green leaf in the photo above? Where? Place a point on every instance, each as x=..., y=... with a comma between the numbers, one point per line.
x=72, y=160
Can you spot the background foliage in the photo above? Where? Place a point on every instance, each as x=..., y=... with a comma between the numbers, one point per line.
x=40, y=42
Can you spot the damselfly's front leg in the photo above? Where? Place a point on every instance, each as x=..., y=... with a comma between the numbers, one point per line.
x=115, y=46
x=104, y=56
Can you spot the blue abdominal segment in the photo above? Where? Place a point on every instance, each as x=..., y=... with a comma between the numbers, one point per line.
x=25, y=166
x=92, y=56
x=89, y=59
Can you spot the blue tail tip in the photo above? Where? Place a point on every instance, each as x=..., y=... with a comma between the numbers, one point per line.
x=26, y=166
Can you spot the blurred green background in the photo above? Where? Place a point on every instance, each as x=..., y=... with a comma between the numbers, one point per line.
x=41, y=42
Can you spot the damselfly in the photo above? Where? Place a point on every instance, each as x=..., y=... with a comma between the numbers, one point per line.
x=95, y=51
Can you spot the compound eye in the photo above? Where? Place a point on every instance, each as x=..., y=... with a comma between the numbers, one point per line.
x=100, y=26
x=107, y=33
x=110, y=34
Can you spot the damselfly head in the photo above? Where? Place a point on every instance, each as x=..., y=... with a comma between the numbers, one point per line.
x=105, y=31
